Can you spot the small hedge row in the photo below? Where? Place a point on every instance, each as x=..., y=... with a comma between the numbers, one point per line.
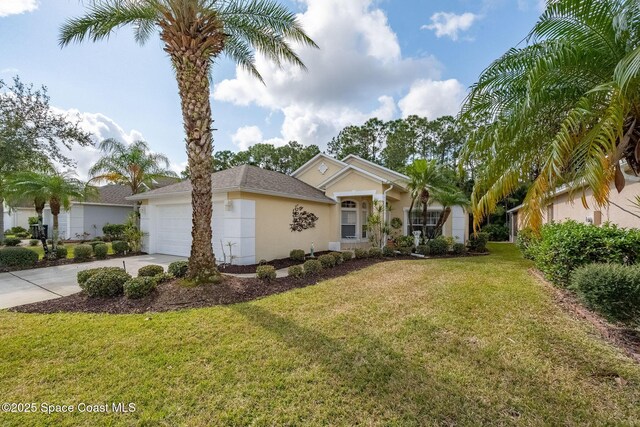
x=113, y=281
x=18, y=257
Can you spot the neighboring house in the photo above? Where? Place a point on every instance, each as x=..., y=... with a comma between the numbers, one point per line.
x=253, y=210
x=621, y=210
x=110, y=206
x=18, y=216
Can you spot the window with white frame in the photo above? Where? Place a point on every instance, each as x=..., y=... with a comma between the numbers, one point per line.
x=364, y=216
x=349, y=219
x=416, y=222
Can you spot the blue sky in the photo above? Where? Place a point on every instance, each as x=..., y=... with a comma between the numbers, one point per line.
x=386, y=58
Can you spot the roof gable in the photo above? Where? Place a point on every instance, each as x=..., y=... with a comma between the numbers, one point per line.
x=345, y=172
x=374, y=168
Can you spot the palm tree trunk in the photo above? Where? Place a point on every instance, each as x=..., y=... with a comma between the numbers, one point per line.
x=54, y=204
x=1, y=219
x=192, y=75
x=443, y=218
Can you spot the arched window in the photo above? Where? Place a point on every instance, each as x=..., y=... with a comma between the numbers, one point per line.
x=349, y=219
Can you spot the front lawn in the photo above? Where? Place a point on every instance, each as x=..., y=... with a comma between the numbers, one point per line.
x=462, y=341
x=40, y=251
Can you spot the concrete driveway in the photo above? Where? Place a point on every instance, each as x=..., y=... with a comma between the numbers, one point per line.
x=39, y=284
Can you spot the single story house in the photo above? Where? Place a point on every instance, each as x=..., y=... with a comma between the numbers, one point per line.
x=260, y=214
x=18, y=216
x=621, y=209
x=84, y=220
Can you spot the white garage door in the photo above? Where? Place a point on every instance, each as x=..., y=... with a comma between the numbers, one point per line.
x=174, y=230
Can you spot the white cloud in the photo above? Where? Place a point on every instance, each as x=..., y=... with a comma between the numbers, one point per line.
x=247, y=136
x=359, y=62
x=9, y=71
x=433, y=99
x=16, y=7
x=446, y=24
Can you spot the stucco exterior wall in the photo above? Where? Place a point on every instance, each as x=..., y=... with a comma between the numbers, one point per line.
x=273, y=237
x=353, y=182
x=96, y=217
x=374, y=170
x=18, y=217
x=314, y=177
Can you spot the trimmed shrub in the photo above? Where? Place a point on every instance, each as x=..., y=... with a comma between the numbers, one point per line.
x=139, y=287
x=478, y=242
x=564, y=247
x=388, y=252
x=34, y=242
x=438, y=246
x=82, y=252
x=163, y=277
x=18, y=229
x=375, y=252
x=312, y=267
x=296, y=271
x=23, y=235
x=297, y=255
x=404, y=241
x=113, y=231
x=119, y=247
x=337, y=256
x=424, y=250
x=404, y=250
x=525, y=240
x=459, y=248
x=327, y=261
x=94, y=243
x=84, y=275
x=266, y=273
x=33, y=220
x=150, y=270
x=100, y=250
x=178, y=268
x=263, y=262
x=62, y=252
x=613, y=290
x=496, y=232
x=108, y=283
x=18, y=257
x=361, y=253
x=12, y=241
x=347, y=256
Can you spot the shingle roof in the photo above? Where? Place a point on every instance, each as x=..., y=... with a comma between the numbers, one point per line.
x=112, y=194
x=250, y=179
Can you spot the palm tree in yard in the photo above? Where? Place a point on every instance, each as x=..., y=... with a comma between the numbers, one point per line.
x=564, y=109
x=448, y=199
x=426, y=177
x=195, y=33
x=56, y=188
x=130, y=165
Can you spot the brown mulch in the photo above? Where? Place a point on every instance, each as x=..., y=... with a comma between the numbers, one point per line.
x=173, y=296
x=625, y=338
x=277, y=263
x=55, y=262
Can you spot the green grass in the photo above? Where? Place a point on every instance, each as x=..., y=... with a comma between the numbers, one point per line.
x=40, y=251
x=465, y=341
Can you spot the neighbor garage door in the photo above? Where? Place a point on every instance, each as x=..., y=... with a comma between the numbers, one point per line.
x=173, y=229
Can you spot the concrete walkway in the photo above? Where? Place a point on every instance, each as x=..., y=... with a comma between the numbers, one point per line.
x=40, y=284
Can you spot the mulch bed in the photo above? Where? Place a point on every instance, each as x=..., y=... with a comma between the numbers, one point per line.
x=625, y=338
x=277, y=263
x=55, y=262
x=172, y=296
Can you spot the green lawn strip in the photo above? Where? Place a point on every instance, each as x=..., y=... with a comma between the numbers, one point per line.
x=464, y=341
x=40, y=251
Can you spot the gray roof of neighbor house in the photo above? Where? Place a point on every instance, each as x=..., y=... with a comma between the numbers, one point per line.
x=250, y=179
x=112, y=194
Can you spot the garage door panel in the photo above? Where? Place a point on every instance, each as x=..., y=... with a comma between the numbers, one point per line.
x=174, y=229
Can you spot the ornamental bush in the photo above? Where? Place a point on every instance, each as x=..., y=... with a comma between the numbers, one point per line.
x=100, y=250
x=405, y=241
x=266, y=273
x=113, y=231
x=424, y=250
x=297, y=255
x=12, y=241
x=312, y=267
x=459, y=248
x=612, y=290
x=94, y=243
x=388, y=252
x=347, y=256
x=120, y=247
x=178, y=268
x=108, y=283
x=375, y=252
x=82, y=252
x=337, y=256
x=84, y=275
x=327, y=261
x=163, y=277
x=150, y=270
x=296, y=271
x=18, y=229
x=34, y=242
x=18, y=257
x=139, y=287
x=478, y=242
x=438, y=246
x=497, y=232
x=564, y=247
x=525, y=240
x=361, y=253
x=61, y=252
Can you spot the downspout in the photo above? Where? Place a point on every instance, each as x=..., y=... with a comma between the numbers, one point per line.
x=384, y=213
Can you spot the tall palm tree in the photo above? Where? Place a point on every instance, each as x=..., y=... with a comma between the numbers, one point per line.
x=195, y=33
x=564, y=109
x=130, y=165
x=448, y=199
x=56, y=188
x=425, y=177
